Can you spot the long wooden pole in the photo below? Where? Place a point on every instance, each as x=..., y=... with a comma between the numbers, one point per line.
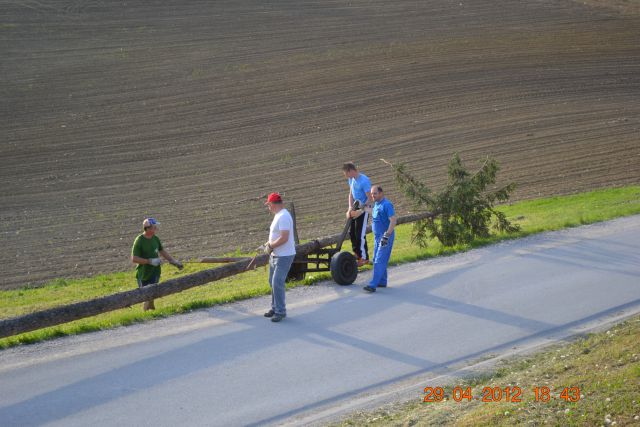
x=216, y=260
x=68, y=313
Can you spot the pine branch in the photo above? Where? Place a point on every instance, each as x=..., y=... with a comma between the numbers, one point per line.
x=463, y=210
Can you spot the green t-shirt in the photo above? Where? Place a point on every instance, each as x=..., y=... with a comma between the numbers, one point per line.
x=146, y=248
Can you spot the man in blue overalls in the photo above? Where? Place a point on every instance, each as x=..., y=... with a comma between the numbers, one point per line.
x=384, y=221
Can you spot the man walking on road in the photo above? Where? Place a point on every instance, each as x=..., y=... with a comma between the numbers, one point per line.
x=145, y=252
x=384, y=222
x=359, y=194
x=282, y=248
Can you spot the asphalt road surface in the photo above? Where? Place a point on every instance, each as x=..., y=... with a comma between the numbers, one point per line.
x=340, y=349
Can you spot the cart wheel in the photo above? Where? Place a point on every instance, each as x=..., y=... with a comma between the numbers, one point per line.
x=296, y=272
x=344, y=268
x=295, y=276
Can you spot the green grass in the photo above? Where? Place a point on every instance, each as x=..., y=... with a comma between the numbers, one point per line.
x=534, y=216
x=604, y=366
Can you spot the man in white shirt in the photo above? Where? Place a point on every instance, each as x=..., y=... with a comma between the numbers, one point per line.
x=282, y=248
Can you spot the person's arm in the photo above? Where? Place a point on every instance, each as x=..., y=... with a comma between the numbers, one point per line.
x=284, y=227
x=391, y=213
x=367, y=190
x=370, y=200
x=350, y=205
x=166, y=256
x=139, y=260
x=171, y=259
x=136, y=251
x=387, y=234
x=392, y=224
x=284, y=237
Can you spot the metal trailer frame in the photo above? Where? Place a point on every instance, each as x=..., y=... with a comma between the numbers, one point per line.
x=342, y=264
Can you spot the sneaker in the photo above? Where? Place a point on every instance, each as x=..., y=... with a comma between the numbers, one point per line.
x=369, y=289
x=278, y=317
x=382, y=286
x=269, y=313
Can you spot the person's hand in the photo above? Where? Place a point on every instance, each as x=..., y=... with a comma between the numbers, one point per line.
x=267, y=248
x=155, y=261
x=177, y=264
x=349, y=213
x=385, y=240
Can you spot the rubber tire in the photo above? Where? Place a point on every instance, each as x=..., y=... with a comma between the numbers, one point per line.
x=296, y=272
x=344, y=268
x=295, y=276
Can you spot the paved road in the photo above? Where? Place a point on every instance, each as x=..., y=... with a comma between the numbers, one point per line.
x=340, y=347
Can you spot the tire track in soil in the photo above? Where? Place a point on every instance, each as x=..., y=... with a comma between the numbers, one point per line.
x=180, y=110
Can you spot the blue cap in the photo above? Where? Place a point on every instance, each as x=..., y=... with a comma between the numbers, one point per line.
x=148, y=222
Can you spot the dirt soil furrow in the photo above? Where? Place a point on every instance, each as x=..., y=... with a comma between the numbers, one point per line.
x=192, y=111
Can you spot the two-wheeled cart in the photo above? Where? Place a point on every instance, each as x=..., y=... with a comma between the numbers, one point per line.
x=318, y=256
x=342, y=264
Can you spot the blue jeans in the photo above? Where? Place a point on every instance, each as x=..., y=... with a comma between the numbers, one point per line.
x=381, y=257
x=278, y=269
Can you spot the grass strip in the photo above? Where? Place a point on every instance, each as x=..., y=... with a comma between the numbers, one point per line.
x=534, y=216
x=605, y=367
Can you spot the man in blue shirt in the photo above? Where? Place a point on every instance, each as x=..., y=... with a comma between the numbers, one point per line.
x=359, y=190
x=384, y=222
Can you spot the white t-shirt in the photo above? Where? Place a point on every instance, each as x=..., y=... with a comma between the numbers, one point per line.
x=282, y=221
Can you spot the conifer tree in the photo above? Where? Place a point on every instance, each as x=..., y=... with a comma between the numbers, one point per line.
x=463, y=210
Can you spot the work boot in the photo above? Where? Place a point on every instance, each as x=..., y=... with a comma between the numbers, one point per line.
x=278, y=317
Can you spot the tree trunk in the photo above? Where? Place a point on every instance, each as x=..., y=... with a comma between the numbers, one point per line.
x=67, y=313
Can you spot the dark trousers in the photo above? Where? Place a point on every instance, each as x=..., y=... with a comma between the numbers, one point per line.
x=149, y=305
x=358, y=235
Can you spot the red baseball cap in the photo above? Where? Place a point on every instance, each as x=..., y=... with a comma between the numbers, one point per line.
x=273, y=198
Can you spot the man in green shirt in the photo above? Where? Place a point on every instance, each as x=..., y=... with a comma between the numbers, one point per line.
x=146, y=252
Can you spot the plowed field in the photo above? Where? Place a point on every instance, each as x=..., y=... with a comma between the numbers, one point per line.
x=191, y=111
